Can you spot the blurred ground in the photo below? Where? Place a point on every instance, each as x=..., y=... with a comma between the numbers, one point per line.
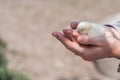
x=26, y=26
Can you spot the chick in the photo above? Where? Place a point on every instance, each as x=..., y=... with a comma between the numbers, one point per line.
x=90, y=29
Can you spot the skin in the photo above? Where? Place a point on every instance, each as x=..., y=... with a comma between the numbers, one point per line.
x=90, y=48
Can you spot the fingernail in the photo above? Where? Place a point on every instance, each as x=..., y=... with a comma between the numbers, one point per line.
x=64, y=30
x=54, y=34
x=80, y=38
x=73, y=24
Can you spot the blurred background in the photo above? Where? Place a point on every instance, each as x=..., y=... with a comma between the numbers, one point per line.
x=26, y=27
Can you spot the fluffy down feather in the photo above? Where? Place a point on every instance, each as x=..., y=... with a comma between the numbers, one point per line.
x=90, y=29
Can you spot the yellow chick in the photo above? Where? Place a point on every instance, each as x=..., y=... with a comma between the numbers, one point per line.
x=90, y=29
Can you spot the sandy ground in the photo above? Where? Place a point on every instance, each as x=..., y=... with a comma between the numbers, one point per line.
x=26, y=26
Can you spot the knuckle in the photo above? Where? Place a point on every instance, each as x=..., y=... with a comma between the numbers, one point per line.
x=89, y=40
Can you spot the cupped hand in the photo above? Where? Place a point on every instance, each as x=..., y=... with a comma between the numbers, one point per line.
x=89, y=48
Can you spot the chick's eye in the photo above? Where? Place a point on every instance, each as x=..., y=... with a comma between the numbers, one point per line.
x=82, y=29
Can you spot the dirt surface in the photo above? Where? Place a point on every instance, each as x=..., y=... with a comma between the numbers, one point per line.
x=26, y=26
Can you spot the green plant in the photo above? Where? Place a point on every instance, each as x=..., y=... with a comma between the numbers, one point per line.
x=2, y=44
x=3, y=60
x=18, y=76
x=5, y=73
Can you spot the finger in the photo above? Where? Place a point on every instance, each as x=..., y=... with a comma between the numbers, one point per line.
x=76, y=35
x=74, y=24
x=86, y=40
x=72, y=46
x=65, y=41
x=68, y=33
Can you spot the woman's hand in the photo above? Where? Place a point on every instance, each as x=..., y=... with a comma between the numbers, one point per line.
x=90, y=48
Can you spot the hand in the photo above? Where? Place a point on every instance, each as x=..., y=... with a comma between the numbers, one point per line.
x=90, y=48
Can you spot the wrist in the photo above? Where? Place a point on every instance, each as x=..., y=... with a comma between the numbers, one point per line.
x=115, y=29
x=109, y=31
x=116, y=50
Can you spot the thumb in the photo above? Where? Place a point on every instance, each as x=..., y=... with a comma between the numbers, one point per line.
x=86, y=40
